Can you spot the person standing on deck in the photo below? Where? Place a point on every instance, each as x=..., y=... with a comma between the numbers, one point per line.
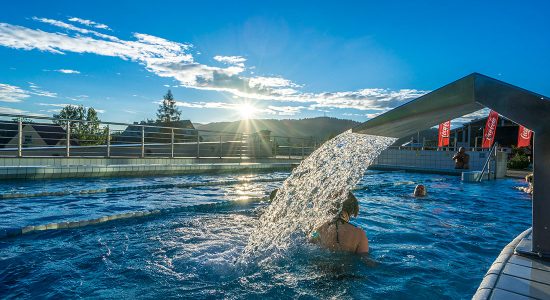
x=462, y=159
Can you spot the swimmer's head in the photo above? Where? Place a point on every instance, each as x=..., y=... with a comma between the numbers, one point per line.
x=346, y=209
x=420, y=191
x=350, y=205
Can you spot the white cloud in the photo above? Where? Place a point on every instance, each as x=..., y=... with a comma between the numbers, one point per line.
x=71, y=27
x=271, y=109
x=270, y=82
x=231, y=60
x=61, y=105
x=12, y=93
x=13, y=111
x=56, y=104
x=172, y=60
x=38, y=91
x=482, y=113
x=68, y=71
x=284, y=110
x=90, y=23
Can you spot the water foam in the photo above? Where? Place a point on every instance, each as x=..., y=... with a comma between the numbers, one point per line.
x=314, y=189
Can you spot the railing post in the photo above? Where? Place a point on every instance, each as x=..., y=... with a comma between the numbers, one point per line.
x=489, y=167
x=289, y=150
x=198, y=145
x=455, y=143
x=302, y=150
x=275, y=147
x=241, y=147
x=20, y=139
x=142, y=141
x=108, y=142
x=172, y=143
x=221, y=146
x=68, y=141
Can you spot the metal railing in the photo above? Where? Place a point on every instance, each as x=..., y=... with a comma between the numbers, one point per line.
x=38, y=136
x=487, y=165
x=435, y=148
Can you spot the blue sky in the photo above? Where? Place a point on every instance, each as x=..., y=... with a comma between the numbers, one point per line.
x=274, y=59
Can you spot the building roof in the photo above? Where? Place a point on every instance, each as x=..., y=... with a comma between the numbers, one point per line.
x=50, y=133
x=8, y=130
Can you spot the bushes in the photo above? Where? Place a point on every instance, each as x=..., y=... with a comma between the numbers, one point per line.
x=519, y=160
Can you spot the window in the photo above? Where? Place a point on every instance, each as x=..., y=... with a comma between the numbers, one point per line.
x=28, y=139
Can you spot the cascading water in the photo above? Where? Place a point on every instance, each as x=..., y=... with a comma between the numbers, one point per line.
x=310, y=195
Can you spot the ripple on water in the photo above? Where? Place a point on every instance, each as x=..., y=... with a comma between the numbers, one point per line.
x=438, y=247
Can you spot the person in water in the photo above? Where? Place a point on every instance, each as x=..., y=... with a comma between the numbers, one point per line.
x=339, y=235
x=529, y=181
x=420, y=191
x=462, y=159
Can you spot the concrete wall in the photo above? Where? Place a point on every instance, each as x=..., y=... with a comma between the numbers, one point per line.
x=60, y=167
x=51, y=167
x=434, y=161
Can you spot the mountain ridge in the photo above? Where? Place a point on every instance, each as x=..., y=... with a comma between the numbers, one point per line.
x=319, y=127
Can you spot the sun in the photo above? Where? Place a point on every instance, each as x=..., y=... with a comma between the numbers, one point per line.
x=246, y=111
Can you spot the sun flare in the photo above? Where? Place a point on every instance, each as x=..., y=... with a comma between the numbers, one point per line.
x=246, y=110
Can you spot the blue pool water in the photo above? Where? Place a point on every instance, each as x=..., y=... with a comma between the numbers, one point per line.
x=438, y=247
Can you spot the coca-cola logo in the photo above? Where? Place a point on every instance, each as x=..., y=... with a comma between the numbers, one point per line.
x=491, y=126
x=525, y=133
x=445, y=130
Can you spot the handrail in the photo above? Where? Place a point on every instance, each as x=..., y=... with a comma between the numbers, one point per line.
x=107, y=139
x=487, y=162
x=39, y=117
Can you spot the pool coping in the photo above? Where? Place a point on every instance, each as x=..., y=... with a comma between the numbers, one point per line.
x=515, y=276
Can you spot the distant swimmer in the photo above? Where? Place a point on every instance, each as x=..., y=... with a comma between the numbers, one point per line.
x=339, y=234
x=529, y=181
x=420, y=191
x=462, y=159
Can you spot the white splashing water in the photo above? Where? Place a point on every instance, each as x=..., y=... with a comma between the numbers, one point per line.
x=313, y=190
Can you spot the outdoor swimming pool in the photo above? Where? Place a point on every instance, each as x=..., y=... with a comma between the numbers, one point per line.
x=436, y=247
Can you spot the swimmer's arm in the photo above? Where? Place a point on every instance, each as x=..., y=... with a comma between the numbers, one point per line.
x=363, y=246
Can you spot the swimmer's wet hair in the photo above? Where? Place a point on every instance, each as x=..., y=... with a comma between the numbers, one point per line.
x=350, y=205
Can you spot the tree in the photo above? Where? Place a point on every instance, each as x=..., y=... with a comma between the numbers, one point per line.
x=85, y=127
x=168, y=113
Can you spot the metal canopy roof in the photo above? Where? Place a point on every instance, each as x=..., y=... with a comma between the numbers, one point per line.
x=461, y=97
x=470, y=94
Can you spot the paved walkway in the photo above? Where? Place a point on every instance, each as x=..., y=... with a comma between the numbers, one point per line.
x=518, y=173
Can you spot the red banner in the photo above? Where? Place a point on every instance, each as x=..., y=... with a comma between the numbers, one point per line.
x=524, y=136
x=490, y=130
x=444, y=134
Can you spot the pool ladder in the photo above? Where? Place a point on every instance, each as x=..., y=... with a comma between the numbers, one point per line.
x=487, y=164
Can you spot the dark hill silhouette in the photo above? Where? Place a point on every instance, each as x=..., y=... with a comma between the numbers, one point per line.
x=320, y=128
